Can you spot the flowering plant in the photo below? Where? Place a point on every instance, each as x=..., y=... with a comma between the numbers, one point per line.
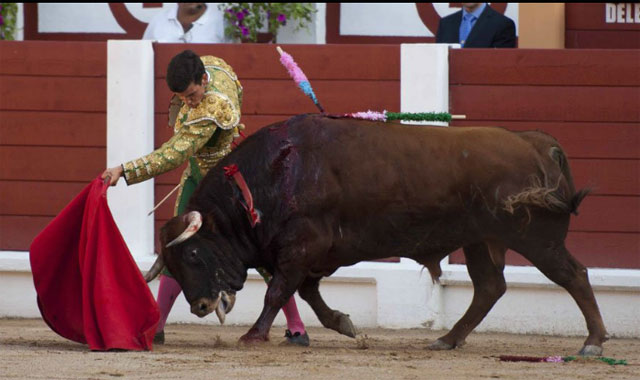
x=247, y=20
x=8, y=13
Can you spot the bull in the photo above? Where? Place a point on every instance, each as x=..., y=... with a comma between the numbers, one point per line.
x=333, y=192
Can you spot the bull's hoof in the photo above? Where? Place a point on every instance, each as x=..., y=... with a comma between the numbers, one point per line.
x=346, y=327
x=590, y=350
x=440, y=345
x=250, y=338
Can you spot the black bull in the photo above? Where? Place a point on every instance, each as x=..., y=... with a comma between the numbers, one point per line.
x=334, y=192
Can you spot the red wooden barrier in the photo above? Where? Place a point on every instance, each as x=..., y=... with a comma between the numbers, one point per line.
x=52, y=131
x=589, y=100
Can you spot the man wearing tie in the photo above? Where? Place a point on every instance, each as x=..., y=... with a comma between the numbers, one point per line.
x=477, y=25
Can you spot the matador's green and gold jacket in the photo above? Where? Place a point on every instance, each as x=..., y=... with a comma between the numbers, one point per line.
x=204, y=133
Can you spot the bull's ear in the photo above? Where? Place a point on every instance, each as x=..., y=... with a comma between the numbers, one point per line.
x=209, y=223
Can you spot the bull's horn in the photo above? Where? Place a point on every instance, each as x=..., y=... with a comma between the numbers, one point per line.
x=155, y=270
x=225, y=305
x=195, y=222
x=230, y=299
x=221, y=313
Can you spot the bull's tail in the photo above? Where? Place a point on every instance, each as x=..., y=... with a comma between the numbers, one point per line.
x=577, y=198
x=552, y=198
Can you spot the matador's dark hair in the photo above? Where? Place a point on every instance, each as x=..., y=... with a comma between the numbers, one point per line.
x=183, y=69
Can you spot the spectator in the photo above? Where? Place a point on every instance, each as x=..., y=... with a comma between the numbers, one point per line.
x=477, y=25
x=187, y=22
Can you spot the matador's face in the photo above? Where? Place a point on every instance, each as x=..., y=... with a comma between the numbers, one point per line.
x=194, y=94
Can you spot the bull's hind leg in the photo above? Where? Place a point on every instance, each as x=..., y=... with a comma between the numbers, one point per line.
x=555, y=262
x=332, y=319
x=485, y=264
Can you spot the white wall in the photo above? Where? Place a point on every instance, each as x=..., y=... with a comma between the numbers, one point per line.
x=97, y=18
x=396, y=19
x=362, y=19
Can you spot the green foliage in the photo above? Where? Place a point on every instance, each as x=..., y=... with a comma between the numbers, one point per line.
x=245, y=20
x=8, y=18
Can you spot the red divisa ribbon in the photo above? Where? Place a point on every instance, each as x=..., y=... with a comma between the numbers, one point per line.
x=232, y=172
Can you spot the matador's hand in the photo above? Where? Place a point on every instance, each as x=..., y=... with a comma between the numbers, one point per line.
x=115, y=173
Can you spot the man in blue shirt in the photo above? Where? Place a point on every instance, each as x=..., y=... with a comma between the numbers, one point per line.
x=477, y=25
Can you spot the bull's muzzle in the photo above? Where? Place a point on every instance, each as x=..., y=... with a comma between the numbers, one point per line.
x=222, y=305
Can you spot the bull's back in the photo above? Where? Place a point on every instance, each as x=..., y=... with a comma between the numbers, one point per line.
x=386, y=162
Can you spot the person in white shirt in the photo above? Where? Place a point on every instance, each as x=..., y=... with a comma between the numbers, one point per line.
x=188, y=23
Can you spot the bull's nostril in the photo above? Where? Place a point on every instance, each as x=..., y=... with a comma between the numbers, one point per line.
x=203, y=307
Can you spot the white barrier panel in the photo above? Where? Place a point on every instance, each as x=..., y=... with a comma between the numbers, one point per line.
x=130, y=130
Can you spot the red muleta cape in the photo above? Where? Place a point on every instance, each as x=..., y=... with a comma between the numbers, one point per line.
x=89, y=288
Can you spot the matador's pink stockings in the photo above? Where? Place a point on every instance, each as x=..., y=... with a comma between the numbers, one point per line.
x=294, y=322
x=168, y=291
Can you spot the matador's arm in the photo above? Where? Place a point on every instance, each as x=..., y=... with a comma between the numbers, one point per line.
x=173, y=153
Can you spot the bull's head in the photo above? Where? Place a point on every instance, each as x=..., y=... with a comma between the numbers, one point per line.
x=201, y=265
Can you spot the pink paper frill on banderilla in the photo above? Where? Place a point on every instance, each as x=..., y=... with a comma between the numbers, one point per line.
x=292, y=67
x=369, y=115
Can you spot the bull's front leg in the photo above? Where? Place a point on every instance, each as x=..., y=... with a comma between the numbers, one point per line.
x=332, y=319
x=278, y=293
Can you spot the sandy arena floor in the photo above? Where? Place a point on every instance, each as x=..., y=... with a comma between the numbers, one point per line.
x=30, y=350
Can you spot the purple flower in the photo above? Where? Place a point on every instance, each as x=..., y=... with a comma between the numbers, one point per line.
x=245, y=31
x=245, y=11
x=282, y=18
x=229, y=10
x=240, y=16
x=1, y=20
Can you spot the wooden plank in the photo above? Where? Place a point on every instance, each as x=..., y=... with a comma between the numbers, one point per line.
x=20, y=198
x=69, y=164
x=592, y=249
x=605, y=250
x=53, y=128
x=557, y=67
x=327, y=62
x=283, y=97
x=579, y=139
x=608, y=214
x=607, y=177
x=29, y=93
x=54, y=58
x=17, y=232
x=601, y=39
x=546, y=103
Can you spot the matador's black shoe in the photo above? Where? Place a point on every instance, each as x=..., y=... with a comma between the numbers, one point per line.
x=297, y=338
x=159, y=337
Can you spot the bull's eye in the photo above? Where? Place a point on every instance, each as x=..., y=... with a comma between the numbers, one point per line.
x=192, y=255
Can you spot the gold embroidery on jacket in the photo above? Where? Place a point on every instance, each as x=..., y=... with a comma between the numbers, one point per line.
x=194, y=127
